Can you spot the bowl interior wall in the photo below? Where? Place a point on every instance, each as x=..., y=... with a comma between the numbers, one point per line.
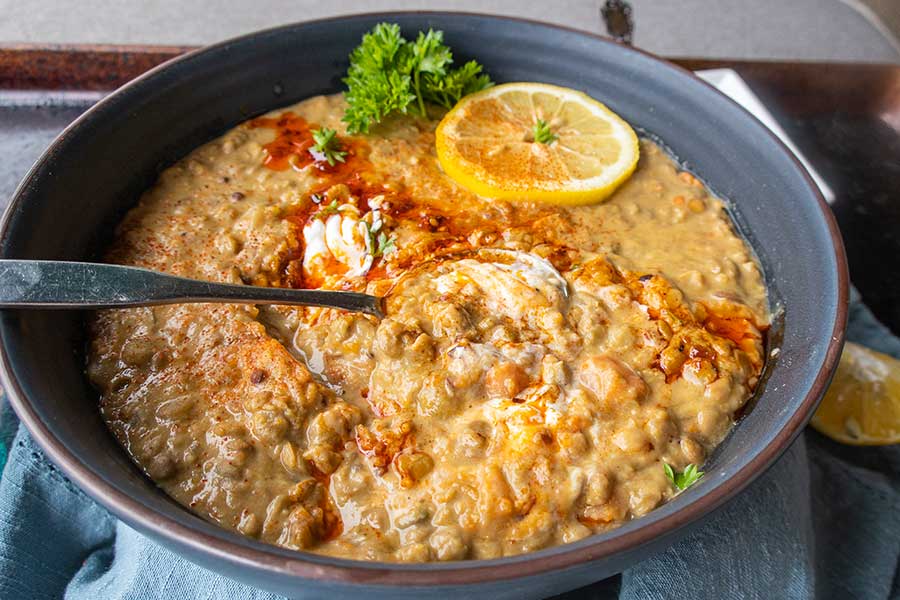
x=68, y=206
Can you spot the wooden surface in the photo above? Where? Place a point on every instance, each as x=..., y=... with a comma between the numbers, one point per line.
x=95, y=68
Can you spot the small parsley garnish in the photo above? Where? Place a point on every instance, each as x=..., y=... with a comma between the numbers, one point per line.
x=329, y=209
x=327, y=146
x=542, y=133
x=389, y=74
x=685, y=479
x=379, y=242
x=385, y=245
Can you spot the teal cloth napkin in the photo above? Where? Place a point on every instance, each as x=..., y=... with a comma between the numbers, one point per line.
x=824, y=522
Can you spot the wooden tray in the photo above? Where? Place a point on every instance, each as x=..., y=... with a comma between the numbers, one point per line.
x=844, y=117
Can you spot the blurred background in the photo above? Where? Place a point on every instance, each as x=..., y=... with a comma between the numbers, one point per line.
x=858, y=30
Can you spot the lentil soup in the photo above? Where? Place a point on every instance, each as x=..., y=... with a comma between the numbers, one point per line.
x=537, y=368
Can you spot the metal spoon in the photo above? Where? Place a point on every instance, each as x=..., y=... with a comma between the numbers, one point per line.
x=61, y=284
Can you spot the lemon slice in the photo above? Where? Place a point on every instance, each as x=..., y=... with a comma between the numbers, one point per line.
x=862, y=406
x=583, y=150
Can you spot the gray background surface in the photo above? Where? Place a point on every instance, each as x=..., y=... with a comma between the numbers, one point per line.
x=799, y=29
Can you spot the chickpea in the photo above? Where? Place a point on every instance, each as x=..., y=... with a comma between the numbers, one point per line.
x=300, y=529
x=699, y=371
x=421, y=350
x=505, y=380
x=553, y=371
x=413, y=467
x=631, y=439
x=611, y=381
x=485, y=548
x=573, y=444
x=711, y=423
x=333, y=425
x=249, y=524
x=269, y=426
x=302, y=489
x=598, y=488
x=660, y=428
x=672, y=358
x=447, y=543
x=388, y=340
x=572, y=531
x=414, y=553
x=692, y=450
x=323, y=458
x=436, y=397
x=643, y=497
x=449, y=320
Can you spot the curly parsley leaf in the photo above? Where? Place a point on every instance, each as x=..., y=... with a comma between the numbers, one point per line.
x=447, y=90
x=327, y=146
x=389, y=74
x=378, y=80
x=685, y=479
x=429, y=59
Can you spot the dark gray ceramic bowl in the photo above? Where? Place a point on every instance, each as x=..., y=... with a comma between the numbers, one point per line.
x=68, y=203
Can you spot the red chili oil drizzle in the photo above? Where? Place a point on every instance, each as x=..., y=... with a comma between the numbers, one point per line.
x=382, y=450
x=293, y=139
x=291, y=149
x=292, y=144
x=734, y=326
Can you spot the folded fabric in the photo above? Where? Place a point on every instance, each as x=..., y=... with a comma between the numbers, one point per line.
x=823, y=522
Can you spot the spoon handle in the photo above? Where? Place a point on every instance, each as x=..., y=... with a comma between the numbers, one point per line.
x=62, y=284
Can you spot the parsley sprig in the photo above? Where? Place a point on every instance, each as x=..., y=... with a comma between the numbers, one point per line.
x=385, y=245
x=389, y=74
x=327, y=146
x=685, y=479
x=542, y=132
x=327, y=210
x=380, y=243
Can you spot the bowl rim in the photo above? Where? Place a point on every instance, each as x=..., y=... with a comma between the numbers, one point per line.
x=309, y=565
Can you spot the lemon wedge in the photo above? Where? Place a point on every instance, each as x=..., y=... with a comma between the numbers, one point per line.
x=862, y=406
x=536, y=142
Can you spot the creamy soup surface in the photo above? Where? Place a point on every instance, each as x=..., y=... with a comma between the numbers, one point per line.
x=537, y=366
